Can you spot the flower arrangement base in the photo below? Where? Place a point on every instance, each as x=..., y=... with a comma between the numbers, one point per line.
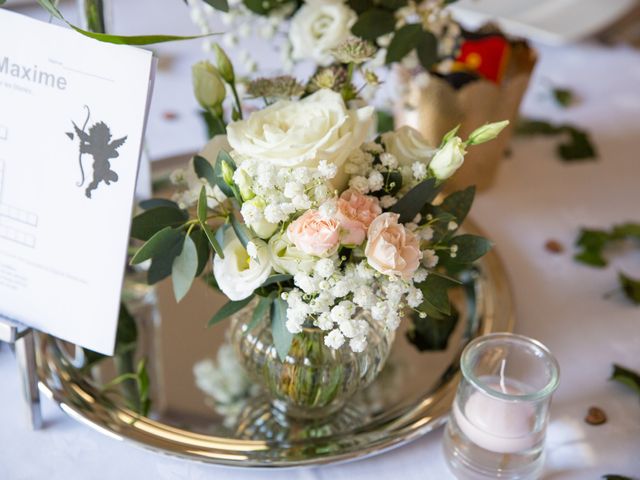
x=411, y=396
x=313, y=381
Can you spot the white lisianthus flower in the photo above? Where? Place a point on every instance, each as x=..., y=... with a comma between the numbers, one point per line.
x=237, y=274
x=287, y=258
x=302, y=133
x=448, y=159
x=407, y=145
x=318, y=27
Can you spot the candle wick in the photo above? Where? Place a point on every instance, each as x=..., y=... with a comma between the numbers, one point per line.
x=503, y=386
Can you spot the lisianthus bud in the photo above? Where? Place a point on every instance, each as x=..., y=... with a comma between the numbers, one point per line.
x=224, y=64
x=486, y=132
x=208, y=86
x=243, y=181
x=448, y=158
x=253, y=216
x=227, y=172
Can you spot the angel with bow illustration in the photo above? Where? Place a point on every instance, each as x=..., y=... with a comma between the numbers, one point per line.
x=97, y=143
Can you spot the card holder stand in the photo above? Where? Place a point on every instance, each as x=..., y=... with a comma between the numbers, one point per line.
x=22, y=339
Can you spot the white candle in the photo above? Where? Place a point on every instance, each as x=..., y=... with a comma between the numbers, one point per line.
x=498, y=425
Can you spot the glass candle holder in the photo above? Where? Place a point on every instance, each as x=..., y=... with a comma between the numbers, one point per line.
x=499, y=417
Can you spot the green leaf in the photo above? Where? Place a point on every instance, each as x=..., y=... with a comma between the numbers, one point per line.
x=427, y=50
x=613, y=476
x=229, y=309
x=592, y=244
x=117, y=39
x=219, y=177
x=221, y=5
x=162, y=264
x=202, y=246
x=626, y=376
x=204, y=170
x=416, y=198
x=282, y=337
x=626, y=230
x=562, y=96
x=264, y=305
x=280, y=277
x=158, y=202
x=578, y=147
x=150, y=222
x=630, y=287
x=373, y=24
x=158, y=244
x=242, y=232
x=184, y=269
x=431, y=333
x=405, y=39
x=202, y=206
x=459, y=203
x=212, y=240
x=470, y=248
x=385, y=121
x=215, y=125
x=435, y=290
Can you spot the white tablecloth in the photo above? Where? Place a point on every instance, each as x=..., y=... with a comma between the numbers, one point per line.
x=560, y=302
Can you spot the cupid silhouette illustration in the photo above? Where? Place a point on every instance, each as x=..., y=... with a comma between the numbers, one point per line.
x=97, y=143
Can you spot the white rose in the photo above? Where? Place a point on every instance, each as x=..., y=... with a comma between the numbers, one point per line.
x=237, y=274
x=448, y=159
x=407, y=145
x=302, y=133
x=287, y=258
x=318, y=27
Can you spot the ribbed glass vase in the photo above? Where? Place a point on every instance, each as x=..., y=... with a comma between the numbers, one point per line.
x=314, y=380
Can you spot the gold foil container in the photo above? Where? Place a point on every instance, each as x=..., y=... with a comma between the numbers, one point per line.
x=434, y=107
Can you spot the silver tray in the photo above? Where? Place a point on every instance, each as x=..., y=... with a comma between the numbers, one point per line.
x=411, y=397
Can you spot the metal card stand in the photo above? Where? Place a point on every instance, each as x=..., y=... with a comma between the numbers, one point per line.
x=22, y=338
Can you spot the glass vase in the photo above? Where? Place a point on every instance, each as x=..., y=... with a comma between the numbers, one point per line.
x=313, y=381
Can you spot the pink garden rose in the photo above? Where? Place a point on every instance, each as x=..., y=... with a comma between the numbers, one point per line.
x=315, y=234
x=391, y=248
x=355, y=213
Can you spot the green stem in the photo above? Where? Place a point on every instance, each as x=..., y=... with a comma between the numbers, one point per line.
x=236, y=99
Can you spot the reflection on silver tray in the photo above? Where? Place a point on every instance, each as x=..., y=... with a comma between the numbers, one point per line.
x=412, y=395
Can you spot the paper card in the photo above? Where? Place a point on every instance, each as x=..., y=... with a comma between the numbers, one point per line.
x=72, y=118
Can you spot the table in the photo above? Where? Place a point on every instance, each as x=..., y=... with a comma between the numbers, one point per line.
x=558, y=301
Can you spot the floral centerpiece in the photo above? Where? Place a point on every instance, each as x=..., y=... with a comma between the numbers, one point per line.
x=324, y=234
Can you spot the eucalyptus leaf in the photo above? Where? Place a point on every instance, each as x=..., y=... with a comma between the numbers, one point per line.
x=241, y=231
x=592, y=243
x=415, y=199
x=202, y=206
x=229, y=309
x=202, y=246
x=204, y=170
x=158, y=202
x=185, y=267
x=459, y=203
x=282, y=337
x=260, y=312
x=221, y=5
x=470, y=248
x=150, y=222
x=613, y=476
x=435, y=290
x=162, y=264
x=219, y=177
x=373, y=24
x=404, y=41
x=158, y=244
x=212, y=239
x=280, y=277
x=626, y=376
x=431, y=333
